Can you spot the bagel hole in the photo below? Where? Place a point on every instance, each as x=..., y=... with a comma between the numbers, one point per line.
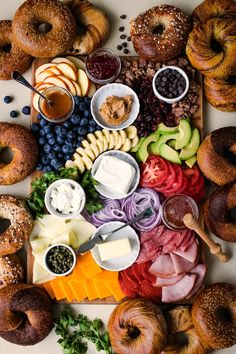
x=179, y=339
x=216, y=46
x=224, y=315
x=232, y=80
x=23, y=318
x=6, y=155
x=158, y=29
x=6, y=48
x=4, y=224
x=44, y=27
x=80, y=29
x=133, y=332
x=228, y=155
x=232, y=213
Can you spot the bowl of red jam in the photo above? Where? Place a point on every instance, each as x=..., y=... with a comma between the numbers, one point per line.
x=103, y=66
x=175, y=208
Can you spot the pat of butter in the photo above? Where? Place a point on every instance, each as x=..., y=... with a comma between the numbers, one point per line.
x=115, y=174
x=114, y=249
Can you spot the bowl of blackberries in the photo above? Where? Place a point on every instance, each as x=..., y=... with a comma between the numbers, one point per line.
x=170, y=84
x=59, y=259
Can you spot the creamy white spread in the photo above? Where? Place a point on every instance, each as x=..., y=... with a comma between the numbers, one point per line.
x=66, y=198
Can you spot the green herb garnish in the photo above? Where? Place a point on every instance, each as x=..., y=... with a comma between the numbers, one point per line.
x=93, y=201
x=75, y=330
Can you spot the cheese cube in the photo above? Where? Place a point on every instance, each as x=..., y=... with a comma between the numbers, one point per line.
x=116, y=174
x=114, y=249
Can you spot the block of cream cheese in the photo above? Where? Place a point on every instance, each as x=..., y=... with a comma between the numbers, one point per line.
x=114, y=249
x=115, y=173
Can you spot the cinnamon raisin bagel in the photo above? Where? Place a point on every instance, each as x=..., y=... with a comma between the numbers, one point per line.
x=11, y=56
x=214, y=8
x=213, y=315
x=211, y=47
x=93, y=27
x=25, y=314
x=13, y=238
x=180, y=322
x=26, y=28
x=217, y=212
x=24, y=149
x=216, y=156
x=11, y=270
x=161, y=33
x=137, y=326
x=221, y=94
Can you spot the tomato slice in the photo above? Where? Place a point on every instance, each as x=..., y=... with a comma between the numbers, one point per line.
x=154, y=171
x=192, y=174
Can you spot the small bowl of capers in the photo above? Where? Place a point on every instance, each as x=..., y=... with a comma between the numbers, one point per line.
x=60, y=259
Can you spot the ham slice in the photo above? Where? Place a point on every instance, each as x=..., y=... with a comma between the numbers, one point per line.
x=167, y=281
x=200, y=271
x=163, y=266
x=181, y=265
x=190, y=254
x=180, y=290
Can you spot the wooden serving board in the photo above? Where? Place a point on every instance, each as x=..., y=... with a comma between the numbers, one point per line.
x=197, y=121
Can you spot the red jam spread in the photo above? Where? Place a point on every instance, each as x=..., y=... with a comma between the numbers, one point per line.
x=175, y=208
x=102, y=66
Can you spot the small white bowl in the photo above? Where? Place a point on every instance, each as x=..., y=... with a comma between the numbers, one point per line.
x=73, y=264
x=119, y=90
x=54, y=212
x=106, y=191
x=166, y=99
x=119, y=263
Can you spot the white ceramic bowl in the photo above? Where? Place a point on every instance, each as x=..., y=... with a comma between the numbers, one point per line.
x=73, y=264
x=106, y=191
x=119, y=90
x=166, y=99
x=54, y=212
x=119, y=263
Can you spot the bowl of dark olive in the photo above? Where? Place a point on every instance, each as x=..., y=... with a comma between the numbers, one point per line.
x=60, y=259
x=170, y=84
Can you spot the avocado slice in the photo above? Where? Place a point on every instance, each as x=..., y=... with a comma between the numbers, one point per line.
x=163, y=129
x=191, y=161
x=154, y=147
x=169, y=154
x=185, y=133
x=172, y=143
x=191, y=149
x=142, y=153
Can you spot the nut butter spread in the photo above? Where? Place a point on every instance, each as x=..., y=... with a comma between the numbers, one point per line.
x=115, y=110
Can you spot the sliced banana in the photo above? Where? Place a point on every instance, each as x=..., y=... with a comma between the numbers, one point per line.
x=119, y=143
x=123, y=135
x=87, y=162
x=79, y=163
x=70, y=164
x=95, y=149
x=126, y=146
x=100, y=145
x=131, y=132
x=105, y=143
x=107, y=134
x=80, y=151
x=134, y=141
x=91, y=137
x=90, y=153
x=111, y=143
x=85, y=144
x=99, y=134
x=116, y=136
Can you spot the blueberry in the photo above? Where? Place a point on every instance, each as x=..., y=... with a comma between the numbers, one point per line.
x=45, y=160
x=47, y=148
x=98, y=127
x=26, y=110
x=42, y=141
x=51, y=155
x=51, y=141
x=71, y=135
x=54, y=162
x=39, y=116
x=64, y=131
x=82, y=106
x=61, y=156
x=68, y=156
x=42, y=122
x=56, y=148
x=91, y=129
x=47, y=129
x=35, y=127
x=75, y=119
x=80, y=139
x=65, y=149
x=60, y=140
x=92, y=123
x=57, y=129
x=49, y=135
x=39, y=167
x=42, y=132
x=58, y=165
x=7, y=99
x=47, y=169
x=83, y=122
x=86, y=114
x=14, y=114
x=77, y=100
x=68, y=142
x=67, y=124
x=87, y=99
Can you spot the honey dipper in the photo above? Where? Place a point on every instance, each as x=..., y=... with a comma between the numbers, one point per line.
x=215, y=248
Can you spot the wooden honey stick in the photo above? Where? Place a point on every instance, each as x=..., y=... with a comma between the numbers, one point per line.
x=215, y=248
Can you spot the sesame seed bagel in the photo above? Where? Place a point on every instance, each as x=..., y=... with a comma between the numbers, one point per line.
x=14, y=237
x=25, y=153
x=161, y=33
x=26, y=33
x=11, y=56
x=213, y=315
x=11, y=270
x=216, y=156
x=25, y=314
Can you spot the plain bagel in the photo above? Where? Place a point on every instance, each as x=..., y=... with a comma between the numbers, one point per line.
x=216, y=156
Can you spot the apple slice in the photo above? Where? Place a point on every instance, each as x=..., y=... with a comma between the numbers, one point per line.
x=35, y=102
x=67, y=70
x=42, y=76
x=83, y=81
x=56, y=81
x=77, y=88
x=64, y=60
x=44, y=67
x=44, y=85
x=92, y=89
x=68, y=83
x=55, y=70
x=78, y=62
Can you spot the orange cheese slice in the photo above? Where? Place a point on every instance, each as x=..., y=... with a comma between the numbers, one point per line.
x=101, y=288
x=77, y=274
x=115, y=290
x=64, y=284
x=49, y=289
x=90, y=290
x=91, y=270
x=85, y=260
x=59, y=293
x=78, y=289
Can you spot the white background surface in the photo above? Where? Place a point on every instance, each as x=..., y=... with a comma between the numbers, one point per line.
x=213, y=120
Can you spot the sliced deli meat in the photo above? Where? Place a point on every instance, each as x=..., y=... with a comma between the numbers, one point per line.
x=180, y=290
x=167, y=281
x=181, y=265
x=163, y=266
x=200, y=271
x=190, y=254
